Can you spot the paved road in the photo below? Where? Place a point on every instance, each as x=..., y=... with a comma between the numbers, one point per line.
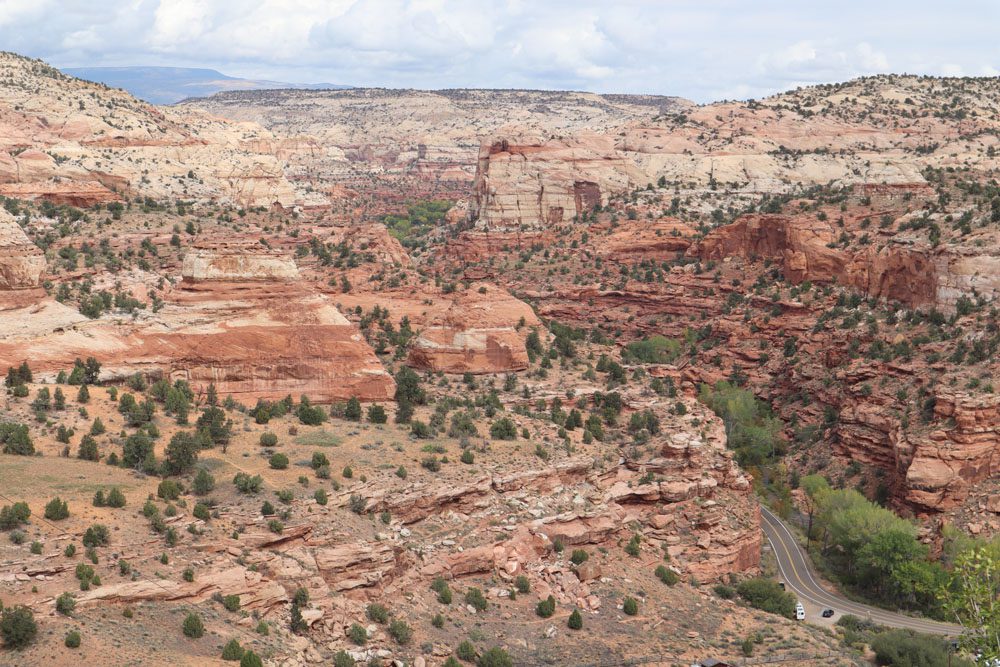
x=797, y=573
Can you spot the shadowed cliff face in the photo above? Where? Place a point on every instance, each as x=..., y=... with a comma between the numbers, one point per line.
x=802, y=247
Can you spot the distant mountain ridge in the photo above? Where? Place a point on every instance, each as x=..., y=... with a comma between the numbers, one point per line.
x=168, y=85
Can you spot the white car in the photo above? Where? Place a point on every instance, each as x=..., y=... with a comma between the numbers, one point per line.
x=800, y=612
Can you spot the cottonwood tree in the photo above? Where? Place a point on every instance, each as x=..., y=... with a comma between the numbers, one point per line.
x=971, y=598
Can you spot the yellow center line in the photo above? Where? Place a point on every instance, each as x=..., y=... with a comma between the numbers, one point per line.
x=812, y=592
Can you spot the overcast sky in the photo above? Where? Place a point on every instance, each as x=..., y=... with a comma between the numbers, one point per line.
x=703, y=50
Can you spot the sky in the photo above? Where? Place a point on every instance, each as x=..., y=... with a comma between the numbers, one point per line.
x=703, y=50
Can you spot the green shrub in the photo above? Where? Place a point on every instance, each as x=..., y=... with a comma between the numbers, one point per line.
x=17, y=626
x=310, y=415
x=908, y=649
x=65, y=604
x=400, y=631
x=476, y=599
x=579, y=556
x=193, y=627
x=575, y=621
x=232, y=651
x=378, y=613
x=246, y=484
x=725, y=592
x=358, y=634
x=666, y=575
x=503, y=429
x=546, y=607
x=767, y=595
x=251, y=659
x=201, y=511
x=115, y=498
x=630, y=606
x=466, y=651
x=231, y=602
x=96, y=536
x=268, y=439
x=168, y=490
x=203, y=482
x=495, y=657
x=278, y=461
x=377, y=415
x=72, y=639
x=343, y=659
x=12, y=516
x=352, y=411
x=522, y=584
x=88, y=449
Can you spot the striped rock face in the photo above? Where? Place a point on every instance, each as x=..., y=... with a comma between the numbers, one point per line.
x=21, y=262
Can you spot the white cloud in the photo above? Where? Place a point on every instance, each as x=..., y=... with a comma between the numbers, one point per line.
x=700, y=49
x=178, y=21
x=15, y=11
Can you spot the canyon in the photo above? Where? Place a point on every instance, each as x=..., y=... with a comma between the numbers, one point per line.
x=461, y=340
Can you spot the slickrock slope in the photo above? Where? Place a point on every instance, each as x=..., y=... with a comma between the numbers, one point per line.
x=239, y=320
x=74, y=142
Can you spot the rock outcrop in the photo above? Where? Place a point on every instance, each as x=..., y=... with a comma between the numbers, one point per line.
x=949, y=461
x=806, y=249
x=21, y=261
x=484, y=331
x=239, y=320
x=239, y=263
x=534, y=185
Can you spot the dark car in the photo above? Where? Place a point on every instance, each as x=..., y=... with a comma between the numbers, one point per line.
x=827, y=613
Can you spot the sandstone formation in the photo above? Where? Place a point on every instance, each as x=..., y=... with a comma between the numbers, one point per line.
x=951, y=460
x=239, y=321
x=422, y=140
x=239, y=263
x=634, y=241
x=21, y=262
x=78, y=143
x=539, y=184
x=482, y=333
x=805, y=249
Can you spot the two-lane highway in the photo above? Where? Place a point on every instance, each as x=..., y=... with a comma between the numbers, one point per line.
x=796, y=572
